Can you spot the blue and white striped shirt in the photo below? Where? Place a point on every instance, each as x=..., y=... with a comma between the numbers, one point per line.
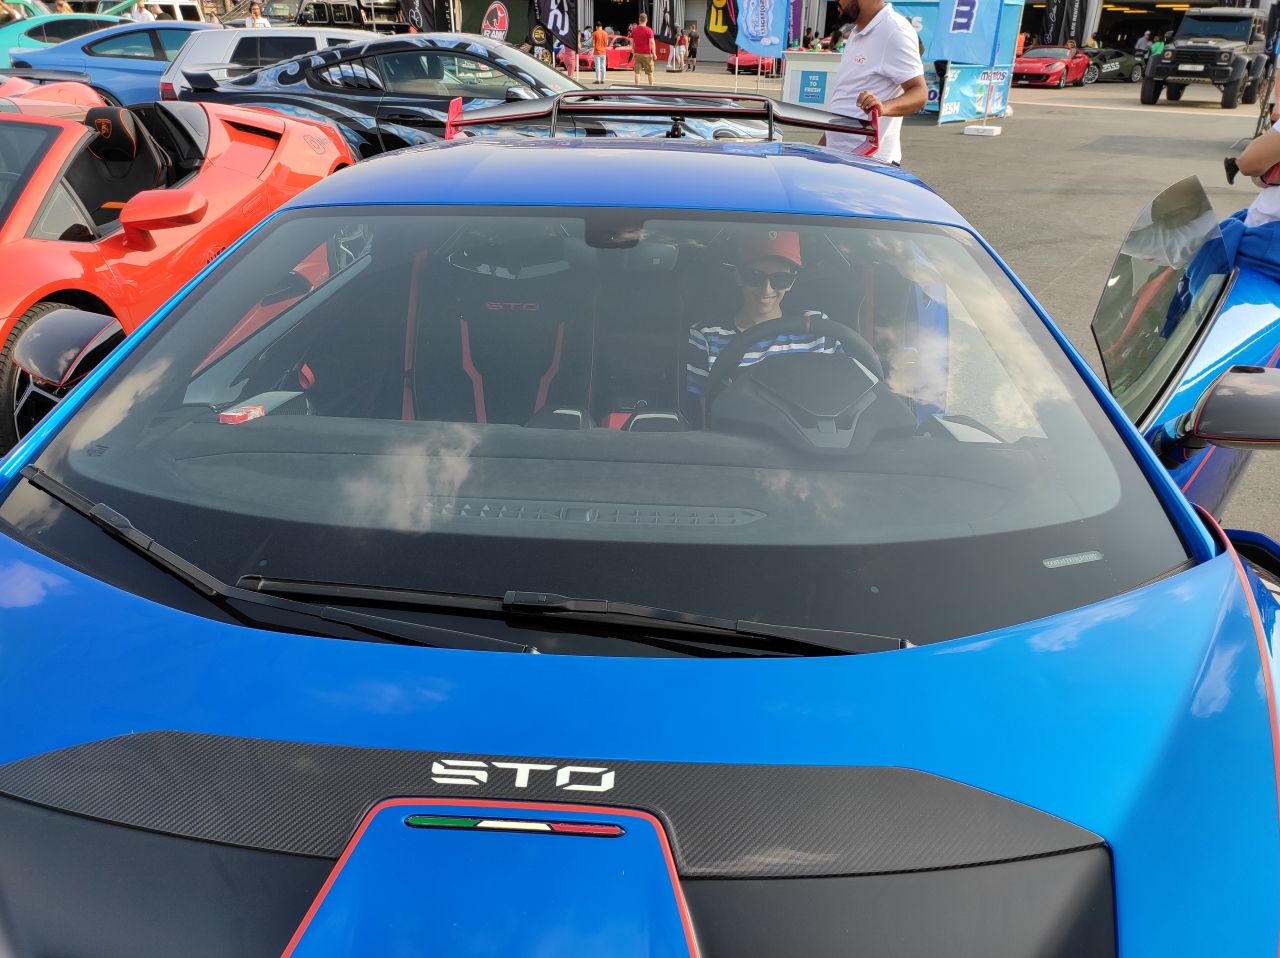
x=707, y=342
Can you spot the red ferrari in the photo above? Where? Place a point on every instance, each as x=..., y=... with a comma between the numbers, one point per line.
x=110, y=210
x=744, y=62
x=1050, y=66
x=619, y=56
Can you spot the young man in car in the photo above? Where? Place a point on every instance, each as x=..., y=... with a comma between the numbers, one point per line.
x=642, y=44
x=765, y=268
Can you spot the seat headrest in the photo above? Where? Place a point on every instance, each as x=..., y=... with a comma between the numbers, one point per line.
x=435, y=67
x=118, y=133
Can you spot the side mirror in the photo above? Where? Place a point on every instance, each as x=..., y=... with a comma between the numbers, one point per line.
x=515, y=93
x=1241, y=410
x=62, y=347
x=158, y=210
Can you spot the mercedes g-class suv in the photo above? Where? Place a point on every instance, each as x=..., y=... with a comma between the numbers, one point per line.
x=1219, y=45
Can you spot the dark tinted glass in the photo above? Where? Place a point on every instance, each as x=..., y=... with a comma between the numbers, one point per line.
x=246, y=52
x=55, y=31
x=21, y=147
x=136, y=45
x=171, y=41
x=275, y=49
x=470, y=402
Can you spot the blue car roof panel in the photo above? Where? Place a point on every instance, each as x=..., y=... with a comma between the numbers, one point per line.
x=794, y=178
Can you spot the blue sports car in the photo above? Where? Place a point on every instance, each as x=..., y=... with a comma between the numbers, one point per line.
x=564, y=547
x=124, y=62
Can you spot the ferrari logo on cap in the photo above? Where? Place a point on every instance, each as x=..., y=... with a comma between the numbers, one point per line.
x=103, y=126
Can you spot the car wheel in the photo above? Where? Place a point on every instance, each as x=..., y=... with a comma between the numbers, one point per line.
x=1135, y=75
x=1250, y=94
x=1151, y=90
x=23, y=403
x=107, y=97
x=1062, y=78
x=1173, y=92
x=1090, y=74
x=1231, y=93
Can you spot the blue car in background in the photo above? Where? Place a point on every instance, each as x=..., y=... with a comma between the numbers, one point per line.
x=629, y=548
x=124, y=63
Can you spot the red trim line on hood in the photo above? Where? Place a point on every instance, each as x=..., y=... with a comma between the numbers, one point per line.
x=601, y=810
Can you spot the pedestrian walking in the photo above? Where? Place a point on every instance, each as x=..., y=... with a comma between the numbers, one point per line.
x=642, y=44
x=682, y=49
x=673, y=56
x=600, y=50
x=879, y=69
x=691, y=58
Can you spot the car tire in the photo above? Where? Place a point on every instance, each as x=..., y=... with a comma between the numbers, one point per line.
x=107, y=97
x=1250, y=94
x=1173, y=92
x=1091, y=75
x=1231, y=93
x=17, y=414
x=1062, y=78
x=1135, y=75
x=1151, y=90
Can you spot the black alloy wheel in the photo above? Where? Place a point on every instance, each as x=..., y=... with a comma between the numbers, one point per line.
x=1231, y=94
x=23, y=402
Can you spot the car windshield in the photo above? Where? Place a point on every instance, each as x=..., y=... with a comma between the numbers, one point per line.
x=22, y=145
x=560, y=401
x=1224, y=28
x=1047, y=53
x=546, y=77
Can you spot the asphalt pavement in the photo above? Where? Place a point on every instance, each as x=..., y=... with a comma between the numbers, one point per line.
x=1058, y=189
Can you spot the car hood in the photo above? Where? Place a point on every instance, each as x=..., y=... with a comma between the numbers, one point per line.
x=1035, y=63
x=1142, y=719
x=1203, y=44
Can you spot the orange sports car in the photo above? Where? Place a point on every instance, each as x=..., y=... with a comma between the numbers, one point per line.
x=110, y=210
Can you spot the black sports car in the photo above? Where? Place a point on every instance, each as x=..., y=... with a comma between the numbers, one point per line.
x=389, y=92
x=392, y=92
x=1113, y=65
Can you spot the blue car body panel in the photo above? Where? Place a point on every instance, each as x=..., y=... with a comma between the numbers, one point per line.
x=1143, y=718
x=128, y=79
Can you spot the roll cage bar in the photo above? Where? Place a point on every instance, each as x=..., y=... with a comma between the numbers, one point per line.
x=671, y=105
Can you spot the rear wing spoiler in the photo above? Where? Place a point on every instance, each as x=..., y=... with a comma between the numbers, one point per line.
x=673, y=106
x=46, y=76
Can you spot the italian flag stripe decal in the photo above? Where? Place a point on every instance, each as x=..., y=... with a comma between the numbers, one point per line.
x=591, y=829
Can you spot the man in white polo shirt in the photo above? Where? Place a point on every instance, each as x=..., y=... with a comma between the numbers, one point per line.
x=880, y=67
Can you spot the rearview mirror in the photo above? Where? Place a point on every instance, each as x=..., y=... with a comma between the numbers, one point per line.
x=1241, y=410
x=158, y=210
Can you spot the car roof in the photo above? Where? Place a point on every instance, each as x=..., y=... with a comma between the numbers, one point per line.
x=131, y=24
x=1241, y=13
x=661, y=174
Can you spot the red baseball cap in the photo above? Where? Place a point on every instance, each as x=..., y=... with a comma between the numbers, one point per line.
x=753, y=246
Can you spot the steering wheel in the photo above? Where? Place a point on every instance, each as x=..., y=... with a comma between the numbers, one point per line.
x=730, y=359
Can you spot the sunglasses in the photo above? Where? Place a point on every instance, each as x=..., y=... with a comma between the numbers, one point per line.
x=756, y=278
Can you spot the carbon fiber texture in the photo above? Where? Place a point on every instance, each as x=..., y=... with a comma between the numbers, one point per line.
x=725, y=821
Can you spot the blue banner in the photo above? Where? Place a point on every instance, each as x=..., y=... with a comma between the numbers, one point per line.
x=971, y=90
x=762, y=26
x=922, y=17
x=966, y=31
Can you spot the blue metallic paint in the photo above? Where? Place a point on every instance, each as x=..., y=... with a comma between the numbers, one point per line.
x=1141, y=718
x=518, y=895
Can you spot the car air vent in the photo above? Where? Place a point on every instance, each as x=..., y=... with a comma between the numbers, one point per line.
x=435, y=507
x=255, y=130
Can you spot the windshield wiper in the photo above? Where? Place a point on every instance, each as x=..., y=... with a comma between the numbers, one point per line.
x=758, y=637
x=214, y=589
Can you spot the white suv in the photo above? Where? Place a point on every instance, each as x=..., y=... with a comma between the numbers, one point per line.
x=223, y=53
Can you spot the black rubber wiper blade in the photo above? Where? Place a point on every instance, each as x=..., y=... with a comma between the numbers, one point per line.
x=627, y=613
x=213, y=588
x=317, y=589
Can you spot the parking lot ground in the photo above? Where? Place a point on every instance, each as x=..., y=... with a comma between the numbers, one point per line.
x=1056, y=192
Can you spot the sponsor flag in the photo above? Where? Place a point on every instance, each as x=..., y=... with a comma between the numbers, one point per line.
x=722, y=24
x=762, y=26
x=665, y=25
x=560, y=17
x=419, y=14
x=966, y=31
